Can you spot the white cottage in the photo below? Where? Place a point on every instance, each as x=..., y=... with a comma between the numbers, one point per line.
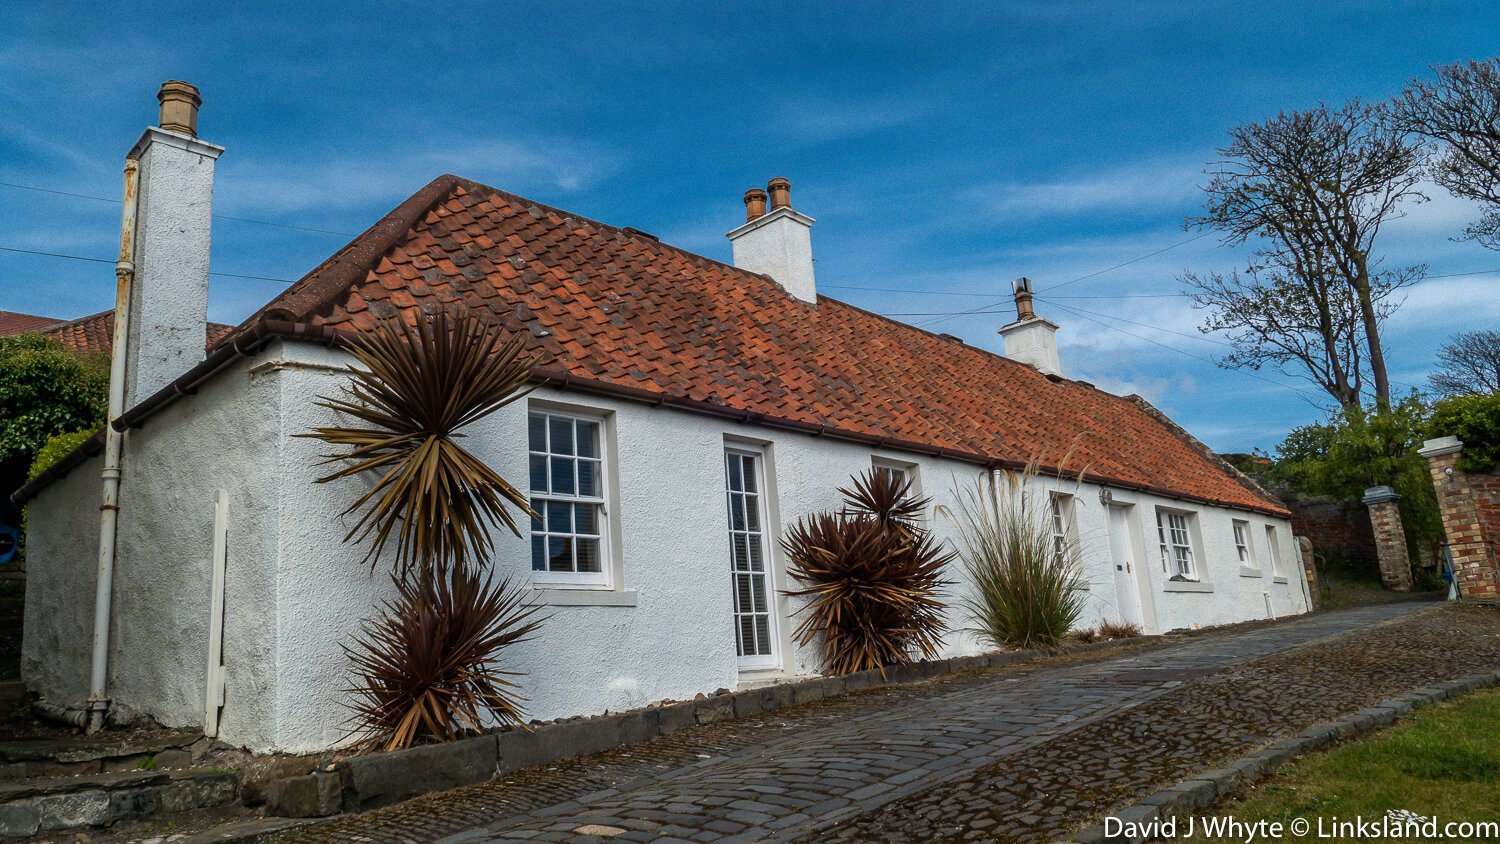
x=675, y=391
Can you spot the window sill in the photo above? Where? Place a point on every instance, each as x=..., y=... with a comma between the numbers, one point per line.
x=552, y=597
x=1186, y=586
x=1246, y=571
x=1279, y=579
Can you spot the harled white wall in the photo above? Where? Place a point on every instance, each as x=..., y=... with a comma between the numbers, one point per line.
x=297, y=592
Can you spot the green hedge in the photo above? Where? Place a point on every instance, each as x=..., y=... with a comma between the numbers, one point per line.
x=56, y=448
x=1476, y=421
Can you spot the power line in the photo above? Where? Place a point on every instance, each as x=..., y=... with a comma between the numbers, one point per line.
x=107, y=261
x=1190, y=354
x=216, y=216
x=991, y=295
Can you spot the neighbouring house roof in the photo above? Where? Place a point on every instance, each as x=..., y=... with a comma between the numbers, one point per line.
x=96, y=333
x=613, y=310
x=14, y=323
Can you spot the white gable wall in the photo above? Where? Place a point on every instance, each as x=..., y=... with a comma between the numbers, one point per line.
x=297, y=592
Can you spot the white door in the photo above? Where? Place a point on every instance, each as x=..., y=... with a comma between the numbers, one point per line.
x=1127, y=587
x=750, y=559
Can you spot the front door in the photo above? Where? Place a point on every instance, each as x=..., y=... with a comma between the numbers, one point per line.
x=1127, y=587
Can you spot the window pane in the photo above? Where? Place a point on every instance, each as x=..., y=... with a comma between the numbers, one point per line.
x=559, y=517
x=747, y=636
x=758, y=593
x=588, y=475
x=562, y=475
x=735, y=482
x=560, y=553
x=536, y=427
x=741, y=554
x=539, y=553
x=537, y=525
x=586, y=519
x=754, y=560
x=588, y=554
x=562, y=435
x=736, y=511
x=752, y=511
x=749, y=462
x=538, y=474
x=762, y=634
x=588, y=438
x=742, y=600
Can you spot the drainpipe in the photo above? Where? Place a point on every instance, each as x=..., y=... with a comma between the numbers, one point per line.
x=109, y=509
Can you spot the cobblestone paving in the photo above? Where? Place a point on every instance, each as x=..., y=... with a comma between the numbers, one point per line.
x=1017, y=754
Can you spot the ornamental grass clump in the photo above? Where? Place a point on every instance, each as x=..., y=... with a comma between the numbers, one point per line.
x=1027, y=588
x=872, y=575
x=428, y=667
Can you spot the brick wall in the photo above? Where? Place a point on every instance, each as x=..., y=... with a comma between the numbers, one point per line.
x=1336, y=528
x=1471, y=519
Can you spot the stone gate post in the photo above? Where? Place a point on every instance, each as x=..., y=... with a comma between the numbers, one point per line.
x=1390, y=538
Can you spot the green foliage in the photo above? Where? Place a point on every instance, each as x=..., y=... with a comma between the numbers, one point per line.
x=1358, y=448
x=1028, y=591
x=46, y=390
x=1475, y=420
x=56, y=448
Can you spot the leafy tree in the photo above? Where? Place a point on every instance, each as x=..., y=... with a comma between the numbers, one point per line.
x=1358, y=448
x=45, y=390
x=1460, y=110
x=1311, y=190
x=1475, y=420
x=1469, y=364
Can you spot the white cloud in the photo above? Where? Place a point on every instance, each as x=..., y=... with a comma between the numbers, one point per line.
x=1143, y=186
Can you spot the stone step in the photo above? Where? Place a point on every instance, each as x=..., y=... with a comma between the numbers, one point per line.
x=99, y=800
x=65, y=756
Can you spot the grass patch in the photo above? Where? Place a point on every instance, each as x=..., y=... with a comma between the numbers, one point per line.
x=1441, y=762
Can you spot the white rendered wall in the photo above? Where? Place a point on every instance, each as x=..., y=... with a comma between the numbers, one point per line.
x=778, y=244
x=225, y=437
x=296, y=592
x=1033, y=342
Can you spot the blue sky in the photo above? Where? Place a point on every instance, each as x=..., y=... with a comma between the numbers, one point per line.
x=944, y=149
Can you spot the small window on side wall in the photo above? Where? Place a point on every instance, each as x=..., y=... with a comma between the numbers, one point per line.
x=1275, y=551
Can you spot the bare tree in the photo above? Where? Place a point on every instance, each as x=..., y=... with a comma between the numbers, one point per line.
x=1469, y=364
x=1461, y=111
x=1311, y=190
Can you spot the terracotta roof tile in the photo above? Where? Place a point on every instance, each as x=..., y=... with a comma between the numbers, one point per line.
x=629, y=311
x=14, y=323
x=96, y=333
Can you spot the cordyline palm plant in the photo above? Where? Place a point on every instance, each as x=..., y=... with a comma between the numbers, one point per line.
x=418, y=387
x=872, y=574
x=1028, y=589
x=427, y=668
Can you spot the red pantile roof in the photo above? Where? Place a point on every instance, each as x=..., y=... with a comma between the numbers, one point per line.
x=96, y=333
x=14, y=323
x=614, y=308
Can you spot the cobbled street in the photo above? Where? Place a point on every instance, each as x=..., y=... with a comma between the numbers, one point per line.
x=1017, y=754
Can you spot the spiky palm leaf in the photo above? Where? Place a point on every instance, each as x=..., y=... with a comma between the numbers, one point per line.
x=415, y=388
x=427, y=669
x=872, y=574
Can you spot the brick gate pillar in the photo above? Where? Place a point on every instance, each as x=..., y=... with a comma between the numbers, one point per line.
x=1472, y=564
x=1314, y=593
x=1390, y=538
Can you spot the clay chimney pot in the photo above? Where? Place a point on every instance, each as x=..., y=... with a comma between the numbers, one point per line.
x=755, y=204
x=179, y=107
x=781, y=193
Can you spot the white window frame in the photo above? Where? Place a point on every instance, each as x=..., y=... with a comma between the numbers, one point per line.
x=1061, y=522
x=1243, y=546
x=1276, y=567
x=546, y=579
x=908, y=470
x=771, y=660
x=1167, y=535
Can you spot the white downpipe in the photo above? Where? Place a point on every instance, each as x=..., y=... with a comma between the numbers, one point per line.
x=109, y=507
x=213, y=699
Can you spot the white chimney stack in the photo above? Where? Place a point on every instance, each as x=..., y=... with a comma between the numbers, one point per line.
x=777, y=243
x=1031, y=339
x=169, y=297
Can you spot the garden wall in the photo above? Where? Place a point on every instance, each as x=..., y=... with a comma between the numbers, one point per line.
x=1336, y=528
